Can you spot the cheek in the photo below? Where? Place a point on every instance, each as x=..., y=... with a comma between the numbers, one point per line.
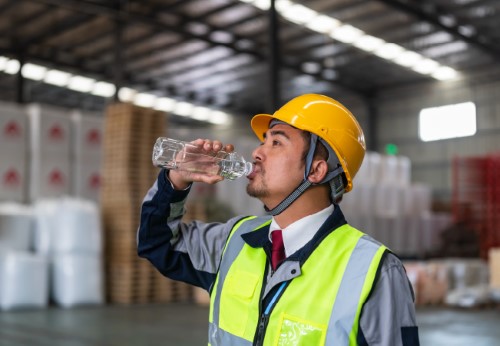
x=289, y=168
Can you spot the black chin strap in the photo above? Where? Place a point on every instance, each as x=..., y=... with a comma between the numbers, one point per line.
x=337, y=189
x=289, y=200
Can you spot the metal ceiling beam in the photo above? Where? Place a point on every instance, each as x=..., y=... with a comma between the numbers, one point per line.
x=86, y=40
x=15, y=22
x=60, y=28
x=6, y=6
x=432, y=17
x=347, y=5
x=216, y=11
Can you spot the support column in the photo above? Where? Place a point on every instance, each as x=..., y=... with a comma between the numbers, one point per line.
x=118, y=52
x=20, y=82
x=274, y=59
x=371, y=135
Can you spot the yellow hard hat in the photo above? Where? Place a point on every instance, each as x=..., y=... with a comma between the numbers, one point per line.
x=329, y=120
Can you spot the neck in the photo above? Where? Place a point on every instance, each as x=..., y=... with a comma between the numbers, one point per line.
x=310, y=202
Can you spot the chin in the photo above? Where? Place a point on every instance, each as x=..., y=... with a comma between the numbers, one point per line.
x=253, y=191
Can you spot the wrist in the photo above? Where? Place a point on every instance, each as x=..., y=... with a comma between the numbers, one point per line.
x=176, y=180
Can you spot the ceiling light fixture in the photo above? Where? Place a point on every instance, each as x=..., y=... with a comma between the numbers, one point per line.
x=262, y=4
x=103, y=89
x=126, y=94
x=368, y=43
x=389, y=51
x=219, y=118
x=12, y=66
x=165, y=104
x=3, y=62
x=57, y=78
x=201, y=113
x=81, y=84
x=323, y=24
x=183, y=109
x=33, y=71
x=346, y=33
x=426, y=66
x=298, y=14
x=408, y=58
x=444, y=73
x=145, y=100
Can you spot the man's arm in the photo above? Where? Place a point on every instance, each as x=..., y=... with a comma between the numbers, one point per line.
x=186, y=252
x=388, y=316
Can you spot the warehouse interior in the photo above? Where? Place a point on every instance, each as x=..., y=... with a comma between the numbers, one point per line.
x=86, y=88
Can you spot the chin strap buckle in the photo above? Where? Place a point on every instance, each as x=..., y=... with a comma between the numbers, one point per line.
x=337, y=187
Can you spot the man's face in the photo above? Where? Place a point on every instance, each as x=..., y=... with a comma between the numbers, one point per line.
x=278, y=165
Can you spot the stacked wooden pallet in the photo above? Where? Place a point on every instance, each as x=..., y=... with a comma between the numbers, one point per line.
x=130, y=133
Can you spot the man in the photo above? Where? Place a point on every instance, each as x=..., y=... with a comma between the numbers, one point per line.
x=329, y=285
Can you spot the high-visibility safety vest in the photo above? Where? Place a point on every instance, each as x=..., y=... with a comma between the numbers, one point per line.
x=319, y=303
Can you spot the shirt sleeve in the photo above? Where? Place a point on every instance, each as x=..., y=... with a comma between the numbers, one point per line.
x=388, y=316
x=189, y=252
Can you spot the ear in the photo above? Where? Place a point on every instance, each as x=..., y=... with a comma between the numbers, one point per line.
x=319, y=170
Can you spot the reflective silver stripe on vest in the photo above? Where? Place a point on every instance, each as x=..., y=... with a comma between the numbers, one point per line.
x=349, y=293
x=217, y=336
x=232, y=251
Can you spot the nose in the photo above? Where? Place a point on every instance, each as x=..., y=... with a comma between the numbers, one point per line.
x=257, y=153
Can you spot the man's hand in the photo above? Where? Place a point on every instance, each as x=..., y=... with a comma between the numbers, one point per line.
x=182, y=179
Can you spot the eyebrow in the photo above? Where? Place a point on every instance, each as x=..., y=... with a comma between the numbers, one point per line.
x=277, y=133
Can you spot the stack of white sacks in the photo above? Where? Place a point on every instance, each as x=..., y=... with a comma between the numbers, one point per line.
x=52, y=250
x=23, y=274
x=388, y=206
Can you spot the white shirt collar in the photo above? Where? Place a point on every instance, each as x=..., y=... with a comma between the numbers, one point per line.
x=296, y=235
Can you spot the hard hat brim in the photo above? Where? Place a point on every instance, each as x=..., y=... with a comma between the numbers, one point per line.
x=260, y=124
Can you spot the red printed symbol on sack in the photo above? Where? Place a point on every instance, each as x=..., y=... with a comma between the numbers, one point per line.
x=12, y=178
x=56, y=178
x=95, y=181
x=56, y=133
x=93, y=137
x=12, y=129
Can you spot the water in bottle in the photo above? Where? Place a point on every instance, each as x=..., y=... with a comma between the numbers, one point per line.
x=174, y=154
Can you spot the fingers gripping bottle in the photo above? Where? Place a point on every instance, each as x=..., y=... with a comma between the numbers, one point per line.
x=178, y=155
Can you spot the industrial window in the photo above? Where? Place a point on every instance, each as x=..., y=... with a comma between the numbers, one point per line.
x=450, y=121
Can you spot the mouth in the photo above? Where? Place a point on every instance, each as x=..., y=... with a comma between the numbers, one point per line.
x=256, y=169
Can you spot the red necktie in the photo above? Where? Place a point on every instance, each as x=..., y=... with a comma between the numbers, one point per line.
x=278, y=249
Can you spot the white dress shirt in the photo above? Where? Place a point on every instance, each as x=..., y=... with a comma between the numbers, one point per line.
x=297, y=234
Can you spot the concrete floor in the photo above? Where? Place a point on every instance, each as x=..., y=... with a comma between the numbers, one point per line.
x=186, y=324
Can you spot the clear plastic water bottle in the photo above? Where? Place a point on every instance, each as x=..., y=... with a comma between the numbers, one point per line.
x=178, y=155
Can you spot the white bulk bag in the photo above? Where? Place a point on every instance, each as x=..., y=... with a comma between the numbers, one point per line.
x=45, y=220
x=77, y=279
x=15, y=227
x=24, y=280
x=78, y=228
